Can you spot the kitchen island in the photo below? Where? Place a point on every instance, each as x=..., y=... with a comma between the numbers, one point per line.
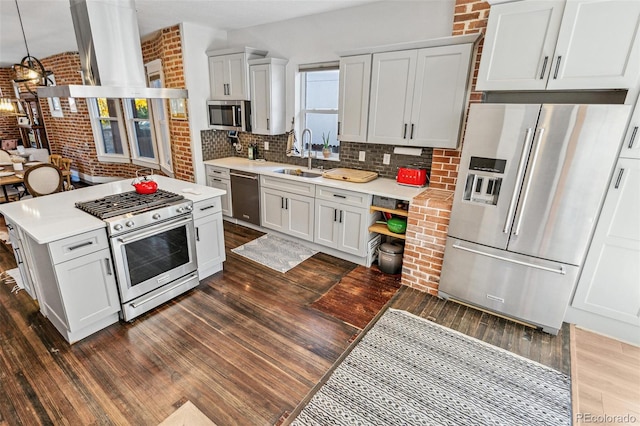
x=67, y=263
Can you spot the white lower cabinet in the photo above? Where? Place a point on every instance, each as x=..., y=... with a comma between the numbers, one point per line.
x=77, y=288
x=288, y=213
x=207, y=216
x=342, y=220
x=609, y=285
x=21, y=259
x=218, y=177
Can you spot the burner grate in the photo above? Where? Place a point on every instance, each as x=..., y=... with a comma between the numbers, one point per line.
x=127, y=202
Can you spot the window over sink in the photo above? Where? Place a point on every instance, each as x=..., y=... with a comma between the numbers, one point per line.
x=319, y=108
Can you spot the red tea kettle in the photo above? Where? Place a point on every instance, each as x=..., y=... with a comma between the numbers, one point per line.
x=144, y=185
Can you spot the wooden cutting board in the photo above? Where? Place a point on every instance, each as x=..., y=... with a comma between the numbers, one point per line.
x=350, y=175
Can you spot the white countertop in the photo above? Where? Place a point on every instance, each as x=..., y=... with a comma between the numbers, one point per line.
x=55, y=216
x=381, y=186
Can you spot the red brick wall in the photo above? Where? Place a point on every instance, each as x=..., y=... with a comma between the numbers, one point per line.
x=8, y=124
x=71, y=135
x=429, y=213
x=167, y=46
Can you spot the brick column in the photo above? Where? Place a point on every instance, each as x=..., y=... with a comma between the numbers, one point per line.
x=429, y=213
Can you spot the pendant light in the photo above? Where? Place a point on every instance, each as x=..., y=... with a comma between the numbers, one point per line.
x=30, y=71
x=8, y=106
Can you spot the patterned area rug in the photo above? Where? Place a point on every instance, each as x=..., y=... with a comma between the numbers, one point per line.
x=274, y=252
x=408, y=370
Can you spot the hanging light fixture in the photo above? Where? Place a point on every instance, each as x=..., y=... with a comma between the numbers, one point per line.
x=30, y=72
x=8, y=106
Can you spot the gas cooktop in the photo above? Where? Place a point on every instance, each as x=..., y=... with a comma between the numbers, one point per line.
x=128, y=202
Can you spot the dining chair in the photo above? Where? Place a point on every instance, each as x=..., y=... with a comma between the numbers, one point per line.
x=43, y=179
x=5, y=157
x=55, y=159
x=65, y=168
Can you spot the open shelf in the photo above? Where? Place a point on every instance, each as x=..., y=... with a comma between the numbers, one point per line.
x=398, y=212
x=381, y=228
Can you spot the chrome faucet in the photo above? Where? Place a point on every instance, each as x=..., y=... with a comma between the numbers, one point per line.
x=305, y=131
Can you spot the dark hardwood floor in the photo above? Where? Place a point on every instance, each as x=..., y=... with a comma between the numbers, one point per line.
x=245, y=347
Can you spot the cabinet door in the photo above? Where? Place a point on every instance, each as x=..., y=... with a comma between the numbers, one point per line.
x=299, y=216
x=326, y=223
x=353, y=101
x=272, y=206
x=209, y=244
x=598, y=46
x=217, y=77
x=237, y=71
x=353, y=230
x=631, y=144
x=442, y=75
x=88, y=288
x=608, y=285
x=392, y=82
x=260, y=77
x=225, y=200
x=519, y=45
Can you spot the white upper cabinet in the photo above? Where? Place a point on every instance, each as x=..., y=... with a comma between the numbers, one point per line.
x=418, y=96
x=229, y=73
x=353, y=102
x=558, y=45
x=267, y=77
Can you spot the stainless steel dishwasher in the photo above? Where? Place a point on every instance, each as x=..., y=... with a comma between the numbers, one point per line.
x=245, y=196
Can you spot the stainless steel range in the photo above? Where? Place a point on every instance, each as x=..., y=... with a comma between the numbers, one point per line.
x=152, y=240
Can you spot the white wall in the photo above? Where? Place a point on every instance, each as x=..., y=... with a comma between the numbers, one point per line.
x=196, y=40
x=319, y=38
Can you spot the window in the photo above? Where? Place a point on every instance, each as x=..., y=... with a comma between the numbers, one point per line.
x=143, y=148
x=106, y=120
x=141, y=122
x=319, y=112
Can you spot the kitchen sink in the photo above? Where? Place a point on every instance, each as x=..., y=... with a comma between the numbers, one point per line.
x=298, y=172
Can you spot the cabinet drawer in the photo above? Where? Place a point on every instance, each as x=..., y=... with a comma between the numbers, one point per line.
x=288, y=185
x=78, y=245
x=217, y=172
x=352, y=198
x=206, y=207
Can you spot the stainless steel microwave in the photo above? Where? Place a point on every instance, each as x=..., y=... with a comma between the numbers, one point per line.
x=229, y=115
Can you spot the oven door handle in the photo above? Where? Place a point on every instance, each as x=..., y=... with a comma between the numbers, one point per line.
x=173, y=287
x=156, y=230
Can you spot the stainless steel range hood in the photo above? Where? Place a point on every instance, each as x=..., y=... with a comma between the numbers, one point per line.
x=110, y=54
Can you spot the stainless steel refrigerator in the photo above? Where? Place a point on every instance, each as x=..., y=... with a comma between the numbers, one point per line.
x=531, y=182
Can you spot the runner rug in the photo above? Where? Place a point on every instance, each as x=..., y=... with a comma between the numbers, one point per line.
x=410, y=371
x=274, y=252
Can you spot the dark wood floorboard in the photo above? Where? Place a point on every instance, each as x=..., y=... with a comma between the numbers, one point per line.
x=245, y=346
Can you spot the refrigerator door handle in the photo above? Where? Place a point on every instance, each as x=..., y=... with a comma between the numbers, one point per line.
x=525, y=193
x=560, y=270
x=519, y=174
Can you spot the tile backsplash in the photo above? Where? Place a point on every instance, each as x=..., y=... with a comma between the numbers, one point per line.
x=216, y=144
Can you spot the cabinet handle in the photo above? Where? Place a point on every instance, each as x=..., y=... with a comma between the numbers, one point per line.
x=216, y=171
x=207, y=207
x=107, y=265
x=197, y=234
x=633, y=137
x=286, y=204
x=341, y=215
x=544, y=67
x=335, y=215
x=411, y=136
x=339, y=129
x=18, y=257
x=10, y=226
x=339, y=196
x=268, y=124
x=87, y=243
x=282, y=202
x=555, y=73
x=620, y=173
x=216, y=180
x=404, y=135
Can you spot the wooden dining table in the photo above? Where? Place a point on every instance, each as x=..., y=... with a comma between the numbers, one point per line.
x=14, y=179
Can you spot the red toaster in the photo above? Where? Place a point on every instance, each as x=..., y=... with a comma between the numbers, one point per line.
x=412, y=176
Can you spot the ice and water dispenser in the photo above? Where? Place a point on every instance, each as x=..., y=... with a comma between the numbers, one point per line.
x=484, y=178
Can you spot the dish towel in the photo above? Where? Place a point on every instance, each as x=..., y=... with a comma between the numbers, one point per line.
x=292, y=149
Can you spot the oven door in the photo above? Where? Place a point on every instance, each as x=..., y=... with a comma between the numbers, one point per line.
x=154, y=256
